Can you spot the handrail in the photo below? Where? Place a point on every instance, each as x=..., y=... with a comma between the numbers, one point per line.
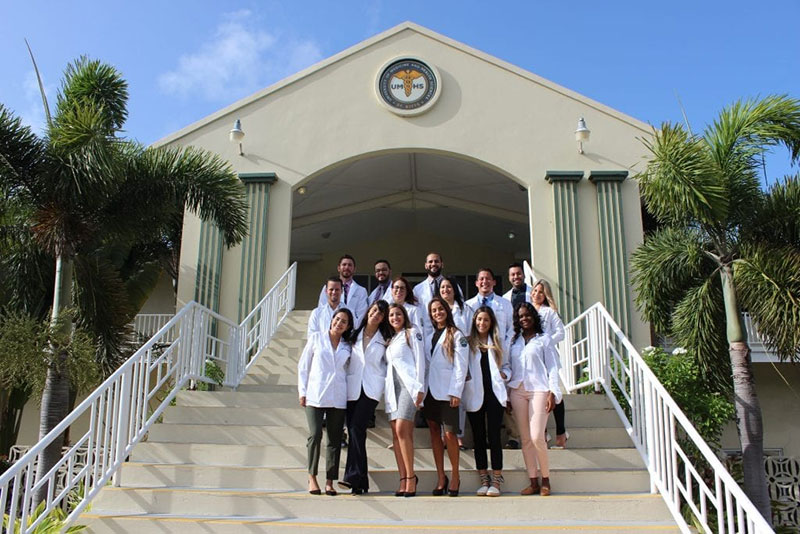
x=596, y=353
x=119, y=409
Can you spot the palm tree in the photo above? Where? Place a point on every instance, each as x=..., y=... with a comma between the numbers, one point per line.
x=725, y=245
x=93, y=201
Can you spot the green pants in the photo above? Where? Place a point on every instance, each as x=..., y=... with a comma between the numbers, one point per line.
x=334, y=425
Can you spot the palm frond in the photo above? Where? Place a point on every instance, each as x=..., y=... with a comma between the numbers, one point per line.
x=21, y=152
x=92, y=83
x=768, y=283
x=669, y=261
x=678, y=184
x=698, y=324
x=778, y=215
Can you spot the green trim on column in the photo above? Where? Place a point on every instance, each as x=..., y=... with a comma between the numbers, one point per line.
x=258, y=177
x=614, y=262
x=209, y=266
x=563, y=176
x=253, y=269
x=565, y=207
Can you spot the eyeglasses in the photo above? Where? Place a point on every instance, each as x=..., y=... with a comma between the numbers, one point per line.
x=398, y=288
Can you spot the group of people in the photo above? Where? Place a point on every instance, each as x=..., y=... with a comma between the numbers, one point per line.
x=425, y=348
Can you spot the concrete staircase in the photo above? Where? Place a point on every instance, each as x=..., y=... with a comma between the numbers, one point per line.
x=228, y=461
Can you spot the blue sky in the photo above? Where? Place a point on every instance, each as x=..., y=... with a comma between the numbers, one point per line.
x=186, y=59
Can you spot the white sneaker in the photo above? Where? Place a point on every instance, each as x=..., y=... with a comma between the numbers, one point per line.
x=484, y=489
x=493, y=492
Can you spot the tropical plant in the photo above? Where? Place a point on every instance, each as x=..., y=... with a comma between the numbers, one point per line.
x=724, y=244
x=53, y=523
x=95, y=203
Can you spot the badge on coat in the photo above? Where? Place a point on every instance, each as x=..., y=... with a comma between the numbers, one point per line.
x=419, y=336
x=463, y=342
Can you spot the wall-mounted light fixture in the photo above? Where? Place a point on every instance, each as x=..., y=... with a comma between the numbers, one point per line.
x=302, y=190
x=237, y=134
x=511, y=234
x=582, y=134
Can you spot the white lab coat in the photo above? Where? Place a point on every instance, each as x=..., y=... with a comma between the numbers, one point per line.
x=462, y=316
x=473, y=389
x=503, y=312
x=445, y=378
x=553, y=327
x=534, y=365
x=379, y=293
x=528, y=289
x=367, y=368
x=321, y=316
x=356, y=301
x=408, y=361
x=322, y=372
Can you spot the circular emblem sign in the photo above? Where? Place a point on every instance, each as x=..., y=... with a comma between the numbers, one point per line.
x=408, y=86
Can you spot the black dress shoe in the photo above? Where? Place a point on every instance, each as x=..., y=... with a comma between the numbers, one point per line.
x=345, y=484
x=331, y=492
x=440, y=491
x=315, y=492
x=359, y=491
x=413, y=493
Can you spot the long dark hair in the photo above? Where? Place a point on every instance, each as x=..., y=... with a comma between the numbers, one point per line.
x=456, y=291
x=407, y=325
x=384, y=328
x=347, y=336
x=410, y=297
x=537, y=322
x=494, y=335
x=450, y=328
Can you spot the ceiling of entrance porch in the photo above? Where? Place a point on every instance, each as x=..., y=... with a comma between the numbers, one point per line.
x=426, y=192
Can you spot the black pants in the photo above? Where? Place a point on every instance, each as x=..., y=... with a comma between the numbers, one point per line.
x=334, y=423
x=489, y=417
x=359, y=413
x=559, y=413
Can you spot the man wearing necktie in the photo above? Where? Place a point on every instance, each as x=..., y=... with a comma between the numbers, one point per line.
x=485, y=282
x=354, y=296
x=383, y=274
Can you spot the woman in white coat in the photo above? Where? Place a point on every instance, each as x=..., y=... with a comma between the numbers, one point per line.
x=322, y=387
x=402, y=294
x=542, y=299
x=366, y=379
x=485, y=396
x=405, y=389
x=447, y=371
x=533, y=392
x=462, y=317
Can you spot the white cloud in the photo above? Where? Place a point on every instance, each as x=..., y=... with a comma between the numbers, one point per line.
x=238, y=59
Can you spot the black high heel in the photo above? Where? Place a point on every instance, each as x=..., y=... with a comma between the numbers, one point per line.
x=440, y=491
x=399, y=493
x=413, y=493
x=454, y=492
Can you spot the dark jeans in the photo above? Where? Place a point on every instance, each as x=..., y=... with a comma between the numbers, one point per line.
x=489, y=417
x=334, y=424
x=359, y=414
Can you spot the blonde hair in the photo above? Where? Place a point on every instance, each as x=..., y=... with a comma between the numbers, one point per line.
x=548, y=293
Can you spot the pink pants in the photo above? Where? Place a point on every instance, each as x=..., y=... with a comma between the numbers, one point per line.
x=528, y=408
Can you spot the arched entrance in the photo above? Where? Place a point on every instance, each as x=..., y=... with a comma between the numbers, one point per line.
x=401, y=205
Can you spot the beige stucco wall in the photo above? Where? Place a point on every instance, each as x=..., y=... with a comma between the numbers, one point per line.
x=162, y=299
x=489, y=111
x=780, y=406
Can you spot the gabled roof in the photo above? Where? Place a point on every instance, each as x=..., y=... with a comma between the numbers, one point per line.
x=409, y=26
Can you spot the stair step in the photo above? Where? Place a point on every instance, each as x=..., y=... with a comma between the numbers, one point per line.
x=639, y=507
x=569, y=480
x=180, y=524
x=379, y=458
x=220, y=415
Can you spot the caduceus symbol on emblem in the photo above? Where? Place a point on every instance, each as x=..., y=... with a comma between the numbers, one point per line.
x=408, y=76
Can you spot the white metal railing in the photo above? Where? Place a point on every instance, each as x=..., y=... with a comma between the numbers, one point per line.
x=124, y=407
x=145, y=325
x=596, y=353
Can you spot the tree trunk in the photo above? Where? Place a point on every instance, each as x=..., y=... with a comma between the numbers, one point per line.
x=55, y=397
x=748, y=410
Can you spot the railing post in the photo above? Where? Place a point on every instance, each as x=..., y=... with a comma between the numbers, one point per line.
x=649, y=444
x=123, y=424
x=292, y=285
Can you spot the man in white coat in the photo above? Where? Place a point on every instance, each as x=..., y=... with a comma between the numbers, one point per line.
x=320, y=319
x=354, y=296
x=501, y=307
x=520, y=291
x=383, y=274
